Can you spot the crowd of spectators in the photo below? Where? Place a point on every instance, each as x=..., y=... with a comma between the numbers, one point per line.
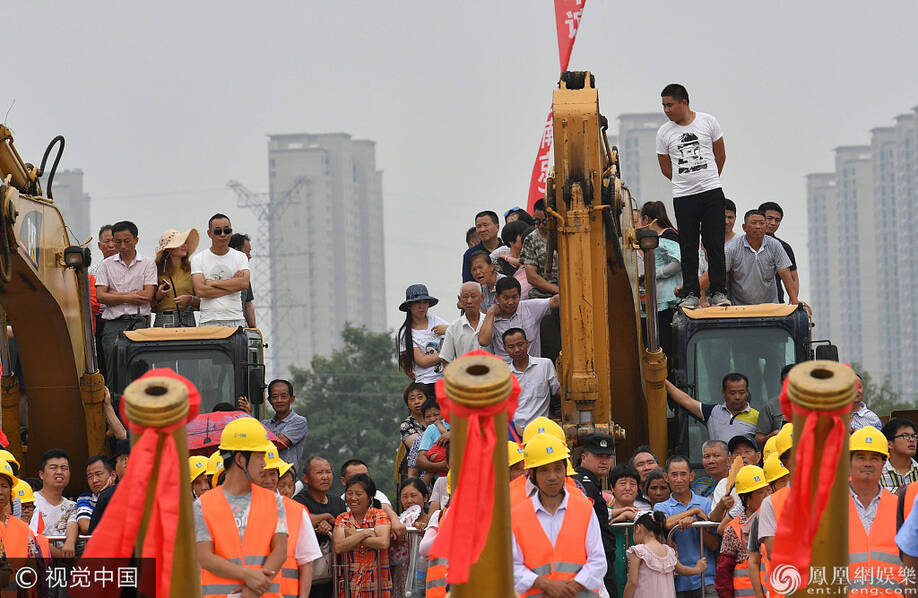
x=178, y=287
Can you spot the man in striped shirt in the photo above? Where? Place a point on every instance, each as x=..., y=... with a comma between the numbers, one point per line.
x=100, y=474
x=901, y=468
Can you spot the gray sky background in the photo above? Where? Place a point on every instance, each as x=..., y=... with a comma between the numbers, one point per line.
x=163, y=103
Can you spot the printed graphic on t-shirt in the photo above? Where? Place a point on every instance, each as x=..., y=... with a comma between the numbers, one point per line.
x=690, y=158
x=432, y=347
x=218, y=272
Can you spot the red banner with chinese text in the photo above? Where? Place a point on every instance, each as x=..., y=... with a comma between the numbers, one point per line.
x=567, y=22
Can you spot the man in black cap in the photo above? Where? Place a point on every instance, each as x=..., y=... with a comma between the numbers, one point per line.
x=722, y=502
x=595, y=463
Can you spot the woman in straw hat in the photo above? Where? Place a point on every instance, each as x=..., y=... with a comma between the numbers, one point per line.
x=174, y=300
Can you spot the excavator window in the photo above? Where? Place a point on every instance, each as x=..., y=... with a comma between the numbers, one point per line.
x=211, y=372
x=758, y=353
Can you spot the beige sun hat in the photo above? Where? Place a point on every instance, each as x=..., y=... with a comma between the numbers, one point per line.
x=172, y=239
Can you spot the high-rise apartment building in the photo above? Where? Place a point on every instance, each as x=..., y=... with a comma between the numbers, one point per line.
x=864, y=277
x=72, y=202
x=326, y=244
x=637, y=144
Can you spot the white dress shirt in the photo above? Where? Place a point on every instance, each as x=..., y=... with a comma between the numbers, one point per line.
x=538, y=381
x=593, y=571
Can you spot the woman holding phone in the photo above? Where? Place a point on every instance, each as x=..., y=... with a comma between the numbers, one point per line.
x=174, y=302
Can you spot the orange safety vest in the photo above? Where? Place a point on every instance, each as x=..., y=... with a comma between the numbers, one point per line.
x=290, y=572
x=517, y=490
x=566, y=558
x=15, y=534
x=874, y=566
x=906, y=500
x=435, y=585
x=777, y=502
x=742, y=583
x=251, y=551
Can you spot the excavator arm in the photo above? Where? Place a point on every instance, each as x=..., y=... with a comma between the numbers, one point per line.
x=44, y=297
x=610, y=381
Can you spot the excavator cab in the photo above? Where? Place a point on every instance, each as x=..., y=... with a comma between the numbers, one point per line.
x=757, y=341
x=223, y=362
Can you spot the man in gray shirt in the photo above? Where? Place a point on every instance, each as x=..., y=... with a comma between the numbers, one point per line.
x=287, y=424
x=753, y=262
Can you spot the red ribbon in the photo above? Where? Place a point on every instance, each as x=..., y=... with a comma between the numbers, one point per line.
x=116, y=534
x=462, y=535
x=791, y=546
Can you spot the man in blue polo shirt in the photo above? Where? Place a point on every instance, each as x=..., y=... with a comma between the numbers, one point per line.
x=733, y=417
x=682, y=509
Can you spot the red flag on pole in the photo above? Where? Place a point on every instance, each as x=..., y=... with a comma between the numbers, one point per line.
x=567, y=23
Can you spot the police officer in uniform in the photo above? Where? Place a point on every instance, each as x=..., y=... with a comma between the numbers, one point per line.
x=595, y=464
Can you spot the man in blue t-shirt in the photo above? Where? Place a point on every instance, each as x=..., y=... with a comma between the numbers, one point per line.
x=682, y=509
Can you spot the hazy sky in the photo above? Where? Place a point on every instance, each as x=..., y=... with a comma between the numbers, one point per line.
x=163, y=103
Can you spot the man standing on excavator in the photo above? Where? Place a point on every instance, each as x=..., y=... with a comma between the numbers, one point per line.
x=690, y=149
x=125, y=283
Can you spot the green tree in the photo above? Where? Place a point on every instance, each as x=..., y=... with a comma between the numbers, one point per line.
x=353, y=401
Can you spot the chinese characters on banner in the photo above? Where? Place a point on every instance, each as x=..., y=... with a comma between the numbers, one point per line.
x=567, y=22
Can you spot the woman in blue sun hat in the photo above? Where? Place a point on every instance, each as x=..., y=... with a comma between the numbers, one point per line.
x=423, y=333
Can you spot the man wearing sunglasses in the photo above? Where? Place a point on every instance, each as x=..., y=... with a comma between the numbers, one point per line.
x=220, y=275
x=901, y=468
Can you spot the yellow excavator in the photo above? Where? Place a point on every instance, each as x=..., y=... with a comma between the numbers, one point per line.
x=611, y=368
x=44, y=299
x=611, y=380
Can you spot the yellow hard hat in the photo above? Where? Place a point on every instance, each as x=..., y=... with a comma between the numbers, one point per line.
x=218, y=469
x=245, y=434
x=543, y=425
x=543, y=449
x=212, y=462
x=870, y=439
x=197, y=466
x=749, y=479
x=273, y=461
x=770, y=448
x=23, y=492
x=514, y=453
x=785, y=439
x=774, y=469
x=6, y=470
x=11, y=459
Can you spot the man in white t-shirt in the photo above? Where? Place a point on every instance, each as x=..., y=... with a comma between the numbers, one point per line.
x=690, y=149
x=220, y=275
x=58, y=513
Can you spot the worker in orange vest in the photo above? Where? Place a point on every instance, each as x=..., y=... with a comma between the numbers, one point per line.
x=557, y=545
x=517, y=472
x=435, y=582
x=525, y=487
x=200, y=481
x=770, y=512
x=874, y=566
x=734, y=575
x=15, y=535
x=23, y=492
x=241, y=528
x=302, y=547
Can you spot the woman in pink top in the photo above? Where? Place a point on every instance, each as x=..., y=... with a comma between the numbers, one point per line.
x=651, y=563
